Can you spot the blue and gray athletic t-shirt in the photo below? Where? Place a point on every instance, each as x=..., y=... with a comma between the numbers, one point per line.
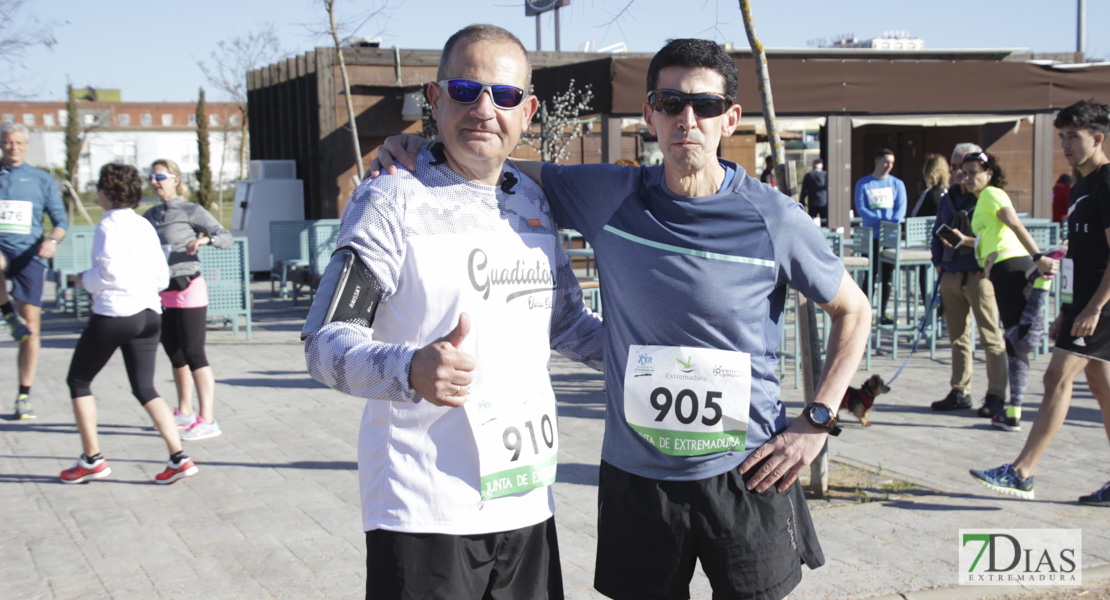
x=701, y=272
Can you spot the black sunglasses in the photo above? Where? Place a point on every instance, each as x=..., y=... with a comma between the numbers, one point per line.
x=466, y=91
x=706, y=106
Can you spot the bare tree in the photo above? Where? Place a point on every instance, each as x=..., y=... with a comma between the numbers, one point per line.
x=559, y=123
x=18, y=34
x=334, y=29
x=226, y=69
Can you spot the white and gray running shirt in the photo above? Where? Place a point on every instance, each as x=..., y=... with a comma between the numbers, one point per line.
x=440, y=245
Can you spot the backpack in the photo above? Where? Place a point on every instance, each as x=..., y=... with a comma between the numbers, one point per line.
x=960, y=221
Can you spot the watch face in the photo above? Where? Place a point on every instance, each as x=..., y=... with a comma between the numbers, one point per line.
x=820, y=413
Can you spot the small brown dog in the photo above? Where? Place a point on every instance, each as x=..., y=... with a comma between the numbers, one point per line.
x=859, y=401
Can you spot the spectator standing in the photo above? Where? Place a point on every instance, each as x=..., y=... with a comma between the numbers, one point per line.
x=1016, y=267
x=964, y=291
x=935, y=173
x=815, y=191
x=879, y=197
x=1061, y=195
x=768, y=174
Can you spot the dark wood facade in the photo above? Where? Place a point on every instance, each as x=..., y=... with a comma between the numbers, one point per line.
x=297, y=111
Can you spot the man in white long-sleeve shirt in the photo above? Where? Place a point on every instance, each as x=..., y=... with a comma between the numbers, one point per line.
x=459, y=440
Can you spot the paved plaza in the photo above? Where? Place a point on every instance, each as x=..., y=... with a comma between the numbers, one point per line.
x=274, y=510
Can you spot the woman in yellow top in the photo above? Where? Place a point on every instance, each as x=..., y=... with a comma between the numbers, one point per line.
x=1020, y=273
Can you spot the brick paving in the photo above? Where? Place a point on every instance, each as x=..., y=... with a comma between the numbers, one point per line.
x=274, y=511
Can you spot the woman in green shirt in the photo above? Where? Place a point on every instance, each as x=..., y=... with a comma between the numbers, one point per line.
x=1020, y=272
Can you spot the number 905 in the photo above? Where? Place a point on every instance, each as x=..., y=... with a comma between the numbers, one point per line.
x=685, y=406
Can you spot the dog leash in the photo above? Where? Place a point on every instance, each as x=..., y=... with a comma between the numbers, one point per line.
x=920, y=329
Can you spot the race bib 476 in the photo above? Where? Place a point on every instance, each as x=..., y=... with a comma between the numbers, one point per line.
x=15, y=216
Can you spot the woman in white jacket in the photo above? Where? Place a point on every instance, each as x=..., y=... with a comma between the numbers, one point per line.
x=129, y=269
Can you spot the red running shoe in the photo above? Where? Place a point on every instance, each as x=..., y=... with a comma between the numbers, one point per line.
x=174, y=471
x=82, y=471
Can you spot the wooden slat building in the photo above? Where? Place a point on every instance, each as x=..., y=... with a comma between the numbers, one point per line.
x=914, y=102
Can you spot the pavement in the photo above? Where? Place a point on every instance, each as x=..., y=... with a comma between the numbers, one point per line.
x=274, y=510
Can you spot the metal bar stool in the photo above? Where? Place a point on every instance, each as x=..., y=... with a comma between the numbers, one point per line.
x=906, y=263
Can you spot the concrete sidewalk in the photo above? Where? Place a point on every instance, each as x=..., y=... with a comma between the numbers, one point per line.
x=274, y=511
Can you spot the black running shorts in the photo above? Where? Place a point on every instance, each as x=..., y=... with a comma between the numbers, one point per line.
x=650, y=533
x=1095, y=346
x=523, y=563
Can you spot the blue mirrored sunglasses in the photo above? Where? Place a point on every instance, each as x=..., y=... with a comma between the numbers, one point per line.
x=467, y=91
x=161, y=176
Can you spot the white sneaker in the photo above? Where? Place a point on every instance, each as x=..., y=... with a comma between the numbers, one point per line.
x=201, y=430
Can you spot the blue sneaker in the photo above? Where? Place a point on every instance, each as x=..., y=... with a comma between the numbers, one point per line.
x=1005, y=480
x=1099, y=498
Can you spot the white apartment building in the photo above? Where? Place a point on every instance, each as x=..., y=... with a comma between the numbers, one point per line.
x=134, y=133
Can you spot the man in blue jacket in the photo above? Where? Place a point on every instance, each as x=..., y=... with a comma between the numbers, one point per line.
x=25, y=192
x=879, y=197
x=963, y=290
x=815, y=191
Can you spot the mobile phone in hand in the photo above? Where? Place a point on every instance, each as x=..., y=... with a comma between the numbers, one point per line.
x=949, y=235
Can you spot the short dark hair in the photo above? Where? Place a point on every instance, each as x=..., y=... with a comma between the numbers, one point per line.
x=1085, y=114
x=990, y=163
x=121, y=184
x=693, y=54
x=481, y=33
x=883, y=152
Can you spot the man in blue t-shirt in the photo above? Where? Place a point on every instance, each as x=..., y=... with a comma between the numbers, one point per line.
x=696, y=259
x=25, y=193
x=880, y=197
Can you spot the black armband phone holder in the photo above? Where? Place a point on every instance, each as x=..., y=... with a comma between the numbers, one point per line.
x=348, y=292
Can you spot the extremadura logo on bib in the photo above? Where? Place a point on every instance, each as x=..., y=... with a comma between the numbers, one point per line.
x=688, y=401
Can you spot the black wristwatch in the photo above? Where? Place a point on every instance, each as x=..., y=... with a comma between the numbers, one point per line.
x=821, y=417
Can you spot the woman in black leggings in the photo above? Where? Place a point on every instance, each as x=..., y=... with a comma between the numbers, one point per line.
x=1020, y=273
x=129, y=269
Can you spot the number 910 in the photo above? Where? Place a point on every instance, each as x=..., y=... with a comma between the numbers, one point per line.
x=514, y=441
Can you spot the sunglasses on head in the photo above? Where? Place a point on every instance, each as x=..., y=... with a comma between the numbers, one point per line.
x=161, y=176
x=467, y=91
x=706, y=106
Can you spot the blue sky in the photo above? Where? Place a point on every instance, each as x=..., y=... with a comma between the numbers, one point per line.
x=149, y=50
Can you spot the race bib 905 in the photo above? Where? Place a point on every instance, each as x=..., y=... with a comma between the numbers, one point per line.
x=688, y=401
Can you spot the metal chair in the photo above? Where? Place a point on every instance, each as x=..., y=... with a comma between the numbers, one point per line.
x=919, y=231
x=906, y=263
x=289, y=249
x=859, y=264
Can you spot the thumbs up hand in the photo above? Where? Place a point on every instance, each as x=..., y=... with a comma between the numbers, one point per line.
x=440, y=373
